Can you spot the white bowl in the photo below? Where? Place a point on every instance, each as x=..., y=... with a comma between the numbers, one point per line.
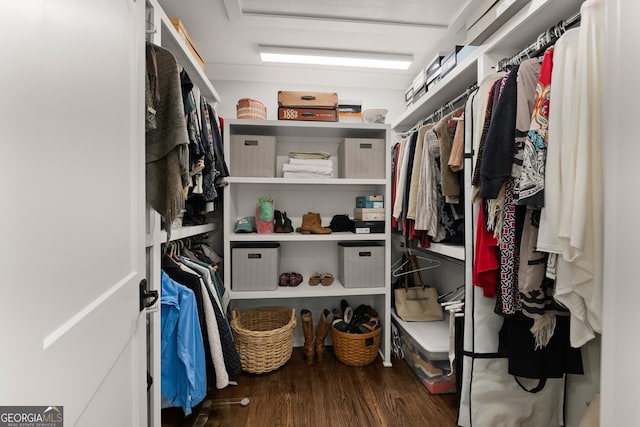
x=374, y=115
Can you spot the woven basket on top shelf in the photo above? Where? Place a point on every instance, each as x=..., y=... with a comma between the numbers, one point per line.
x=263, y=337
x=356, y=349
x=249, y=108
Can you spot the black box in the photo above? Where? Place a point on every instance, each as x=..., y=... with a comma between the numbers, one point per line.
x=449, y=62
x=366, y=227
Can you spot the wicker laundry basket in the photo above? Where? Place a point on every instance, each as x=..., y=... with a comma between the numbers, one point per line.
x=356, y=349
x=249, y=108
x=263, y=337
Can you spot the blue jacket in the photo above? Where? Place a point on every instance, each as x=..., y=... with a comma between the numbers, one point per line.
x=183, y=371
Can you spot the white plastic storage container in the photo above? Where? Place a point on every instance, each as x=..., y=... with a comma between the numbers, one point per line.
x=253, y=155
x=255, y=267
x=361, y=158
x=425, y=346
x=361, y=264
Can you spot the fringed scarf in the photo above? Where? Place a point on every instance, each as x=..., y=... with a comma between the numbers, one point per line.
x=166, y=144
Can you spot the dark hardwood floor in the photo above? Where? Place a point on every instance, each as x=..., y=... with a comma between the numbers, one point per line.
x=327, y=394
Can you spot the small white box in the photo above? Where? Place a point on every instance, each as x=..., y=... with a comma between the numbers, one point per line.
x=361, y=158
x=255, y=267
x=361, y=264
x=253, y=155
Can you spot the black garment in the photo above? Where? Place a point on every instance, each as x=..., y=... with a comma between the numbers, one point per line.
x=497, y=159
x=517, y=343
x=209, y=172
x=218, y=148
x=411, y=152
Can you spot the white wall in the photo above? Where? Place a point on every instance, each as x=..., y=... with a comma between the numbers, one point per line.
x=621, y=317
x=232, y=91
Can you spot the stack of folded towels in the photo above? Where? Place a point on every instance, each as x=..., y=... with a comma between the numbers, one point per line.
x=307, y=164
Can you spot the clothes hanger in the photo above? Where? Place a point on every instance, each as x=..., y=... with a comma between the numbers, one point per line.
x=433, y=263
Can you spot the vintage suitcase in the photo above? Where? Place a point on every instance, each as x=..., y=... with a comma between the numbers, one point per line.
x=313, y=114
x=327, y=100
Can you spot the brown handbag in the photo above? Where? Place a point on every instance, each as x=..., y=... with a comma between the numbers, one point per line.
x=417, y=303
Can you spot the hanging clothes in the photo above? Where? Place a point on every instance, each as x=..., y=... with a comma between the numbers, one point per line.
x=535, y=144
x=579, y=272
x=445, y=130
x=182, y=356
x=428, y=206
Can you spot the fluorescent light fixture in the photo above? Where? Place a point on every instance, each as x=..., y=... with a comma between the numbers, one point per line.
x=343, y=58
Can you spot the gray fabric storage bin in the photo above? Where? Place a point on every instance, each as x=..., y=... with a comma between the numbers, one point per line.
x=361, y=264
x=253, y=155
x=361, y=158
x=255, y=266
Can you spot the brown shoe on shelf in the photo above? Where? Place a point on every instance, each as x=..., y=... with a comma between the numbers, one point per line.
x=284, y=279
x=326, y=279
x=315, y=279
x=311, y=224
x=295, y=278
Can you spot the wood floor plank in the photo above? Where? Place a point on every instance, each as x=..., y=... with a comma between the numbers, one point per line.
x=326, y=394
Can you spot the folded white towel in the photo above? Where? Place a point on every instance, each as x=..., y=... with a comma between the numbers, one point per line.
x=309, y=155
x=323, y=170
x=317, y=162
x=305, y=175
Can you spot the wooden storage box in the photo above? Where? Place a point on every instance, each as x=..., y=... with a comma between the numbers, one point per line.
x=177, y=23
x=368, y=214
x=253, y=155
x=255, y=267
x=361, y=158
x=327, y=100
x=361, y=264
x=311, y=114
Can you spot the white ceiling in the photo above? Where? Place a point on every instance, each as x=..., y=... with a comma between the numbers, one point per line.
x=227, y=34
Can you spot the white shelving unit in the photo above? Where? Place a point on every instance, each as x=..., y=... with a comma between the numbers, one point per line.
x=161, y=32
x=307, y=254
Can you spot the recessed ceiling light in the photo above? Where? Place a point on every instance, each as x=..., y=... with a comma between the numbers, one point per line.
x=342, y=58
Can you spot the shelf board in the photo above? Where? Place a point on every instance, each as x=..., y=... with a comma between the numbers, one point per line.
x=304, y=290
x=297, y=181
x=452, y=85
x=298, y=237
x=452, y=251
x=530, y=21
x=291, y=128
x=178, y=233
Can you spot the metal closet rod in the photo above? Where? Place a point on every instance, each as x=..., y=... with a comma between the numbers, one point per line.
x=543, y=41
x=445, y=108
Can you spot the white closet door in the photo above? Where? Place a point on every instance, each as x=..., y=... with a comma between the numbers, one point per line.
x=72, y=185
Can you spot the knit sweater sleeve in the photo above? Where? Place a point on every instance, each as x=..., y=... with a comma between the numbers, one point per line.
x=499, y=147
